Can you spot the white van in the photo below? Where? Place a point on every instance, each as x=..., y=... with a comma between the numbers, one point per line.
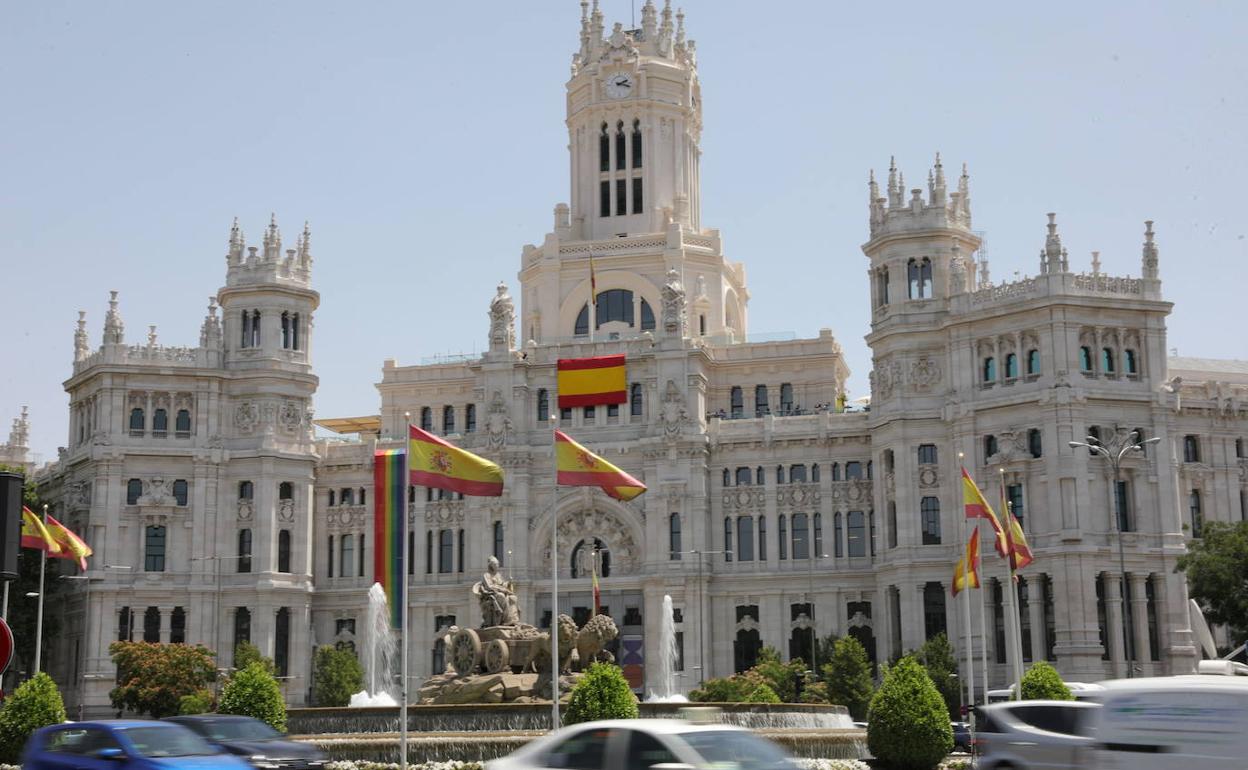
x=1189, y=722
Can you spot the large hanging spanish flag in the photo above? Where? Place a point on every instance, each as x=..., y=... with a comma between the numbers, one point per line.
x=978, y=508
x=435, y=463
x=72, y=546
x=389, y=520
x=966, y=573
x=576, y=466
x=36, y=535
x=592, y=381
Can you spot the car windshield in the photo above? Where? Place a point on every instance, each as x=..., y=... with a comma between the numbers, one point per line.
x=238, y=730
x=738, y=750
x=171, y=741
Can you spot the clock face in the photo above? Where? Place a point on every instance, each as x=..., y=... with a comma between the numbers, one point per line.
x=619, y=85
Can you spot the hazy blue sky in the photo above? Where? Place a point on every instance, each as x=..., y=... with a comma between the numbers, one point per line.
x=425, y=143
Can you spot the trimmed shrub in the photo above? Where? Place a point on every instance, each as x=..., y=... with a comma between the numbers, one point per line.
x=196, y=703
x=36, y=703
x=1042, y=682
x=602, y=693
x=781, y=677
x=337, y=676
x=908, y=722
x=848, y=675
x=253, y=692
x=748, y=687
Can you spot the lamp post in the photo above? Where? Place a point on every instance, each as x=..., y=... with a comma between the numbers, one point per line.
x=702, y=610
x=1119, y=447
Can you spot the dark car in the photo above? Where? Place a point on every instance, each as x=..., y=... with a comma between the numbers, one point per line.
x=123, y=744
x=254, y=741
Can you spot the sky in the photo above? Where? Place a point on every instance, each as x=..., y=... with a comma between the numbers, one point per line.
x=425, y=144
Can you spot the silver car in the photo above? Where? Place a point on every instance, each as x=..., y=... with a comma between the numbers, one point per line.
x=647, y=744
x=1033, y=734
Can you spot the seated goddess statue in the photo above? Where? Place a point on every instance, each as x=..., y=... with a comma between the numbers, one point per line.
x=497, y=597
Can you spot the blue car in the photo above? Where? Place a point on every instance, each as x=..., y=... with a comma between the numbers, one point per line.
x=124, y=744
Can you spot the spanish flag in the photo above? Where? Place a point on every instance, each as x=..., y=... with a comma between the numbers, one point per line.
x=432, y=462
x=1016, y=542
x=591, y=381
x=597, y=592
x=36, y=535
x=576, y=466
x=978, y=508
x=966, y=573
x=71, y=546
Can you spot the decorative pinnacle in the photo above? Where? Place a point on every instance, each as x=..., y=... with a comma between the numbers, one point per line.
x=940, y=172
x=1150, y=257
x=1096, y=263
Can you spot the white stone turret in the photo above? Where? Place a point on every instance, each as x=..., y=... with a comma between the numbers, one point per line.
x=114, y=329
x=1149, y=260
x=81, y=347
x=1053, y=258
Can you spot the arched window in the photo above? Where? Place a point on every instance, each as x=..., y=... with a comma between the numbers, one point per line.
x=242, y=627
x=783, y=540
x=346, y=556
x=446, y=551
x=836, y=471
x=855, y=533
x=285, y=491
x=870, y=465
x=332, y=498
x=137, y=422
x=1198, y=519
x=180, y=490
x=925, y=275
x=853, y=470
x=1128, y=362
x=818, y=534
x=801, y=537
x=797, y=474
x=892, y=524
x=581, y=327
x=182, y=423
x=1107, y=360
x=614, y=305
x=727, y=538
x=1191, y=449
x=1033, y=361
x=930, y=511
x=636, y=144
x=743, y=477
x=1011, y=366
x=919, y=278
x=814, y=473
x=990, y=369
x=134, y=490
x=151, y=625
x=786, y=398
x=838, y=548
x=673, y=537
x=426, y=419
x=759, y=477
x=283, y=551
x=244, y=550
x=543, y=406
x=590, y=555
x=246, y=340
x=245, y=490
x=346, y=496
x=177, y=626
x=281, y=642
x=779, y=474
x=619, y=147
x=727, y=478
x=604, y=152
x=470, y=418
x=761, y=406
x=255, y=329
x=160, y=423
x=745, y=538
x=990, y=447
x=1035, y=443
x=647, y=315
x=634, y=399
x=1085, y=359
x=500, y=548
x=294, y=331
x=285, y=330
x=448, y=420
x=737, y=403
x=762, y=538
x=881, y=287
x=745, y=649
x=701, y=324
x=154, y=549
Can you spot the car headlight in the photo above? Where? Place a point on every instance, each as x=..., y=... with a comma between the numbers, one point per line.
x=261, y=761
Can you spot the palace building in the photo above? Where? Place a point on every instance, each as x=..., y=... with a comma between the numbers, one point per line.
x=774, y=513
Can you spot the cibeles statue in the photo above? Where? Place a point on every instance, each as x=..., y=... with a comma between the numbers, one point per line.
x=502, y=321
x=497, y=596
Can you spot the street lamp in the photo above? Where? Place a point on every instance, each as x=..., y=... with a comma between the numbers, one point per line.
x=702, y=610
x=1119, y=447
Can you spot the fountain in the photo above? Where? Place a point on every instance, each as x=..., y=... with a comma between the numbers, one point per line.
x=667, y=658
x=380, y=649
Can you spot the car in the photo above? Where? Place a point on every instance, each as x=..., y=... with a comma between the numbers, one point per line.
x=961, y=736
x=647, y=744
x=123, y=744
x=255, y=741
x=1033, y=734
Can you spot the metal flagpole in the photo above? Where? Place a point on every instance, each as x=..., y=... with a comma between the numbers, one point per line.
x=966, y=624
x=554, y=572
x=1016, y=647
x=43, y=560
x=404, y=571
x=983, y=650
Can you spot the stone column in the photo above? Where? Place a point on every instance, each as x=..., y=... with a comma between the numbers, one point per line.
x=1113, y=619
x=166, y=623
x=912, y=626
x=1035, y=616
x=1139, y=617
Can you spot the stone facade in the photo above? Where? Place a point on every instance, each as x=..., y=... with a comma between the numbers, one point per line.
x=771, y=510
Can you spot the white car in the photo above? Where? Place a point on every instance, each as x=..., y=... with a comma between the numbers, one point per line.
x=647, y=744
x=1033, y=734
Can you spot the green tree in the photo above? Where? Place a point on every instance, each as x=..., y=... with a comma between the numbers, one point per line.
x=153, y=678
x=747, y=687
x=908, y=722
x=1217, y=571
x=937, y=658
x=337, y=675
x=602, y=693
x=1042, y=682
x=36, y=703
x=196, y=703
x=783, y=678
x=246, y=653
x=848, y=675
x=826, y=646
x=253, y=692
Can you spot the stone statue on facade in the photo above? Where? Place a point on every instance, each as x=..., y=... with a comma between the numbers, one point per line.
x=502, y=320
x=497, y=597
x=497, y=423
x=673, y=304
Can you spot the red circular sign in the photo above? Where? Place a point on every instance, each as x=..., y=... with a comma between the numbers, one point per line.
x=6, y=646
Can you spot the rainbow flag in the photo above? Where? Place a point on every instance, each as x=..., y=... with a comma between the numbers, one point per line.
x=442, y=465
x=591, y=381
x=72, y=546
x=576, y=466
x=389, y=526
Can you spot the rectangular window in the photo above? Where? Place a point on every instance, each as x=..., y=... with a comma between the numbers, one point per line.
x=998, y=621
x=1154, y=639
x=604, y=199
x=927, y=454
x=636, y=146
x=745, y=538
x=1014, y=495
x=154, y=550
x=637, y=196
x=621, y=196
x=589, y=414
x=429, y=552
x=446, y=551
x=330, y=561
x=856, y=535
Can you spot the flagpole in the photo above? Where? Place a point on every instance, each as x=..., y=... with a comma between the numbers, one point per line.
x=404, y=571
x=968, y=568
x=1015, y=616
x=43, y=560
x=554, y=568
x=983, y=650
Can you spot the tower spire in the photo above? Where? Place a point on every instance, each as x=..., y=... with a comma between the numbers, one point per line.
x=938, y=185
x=210, y=331
x=235, y=254
x=304, y=247
x=964, y=195
x=1096, y=263
x=114, y=329
x=1052, y=257
x=894, y=191
x=272, y=240
x=1150, y=258
x=81, y=350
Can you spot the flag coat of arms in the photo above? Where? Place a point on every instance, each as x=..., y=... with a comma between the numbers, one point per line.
x=576, y=466
x=432, y=462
